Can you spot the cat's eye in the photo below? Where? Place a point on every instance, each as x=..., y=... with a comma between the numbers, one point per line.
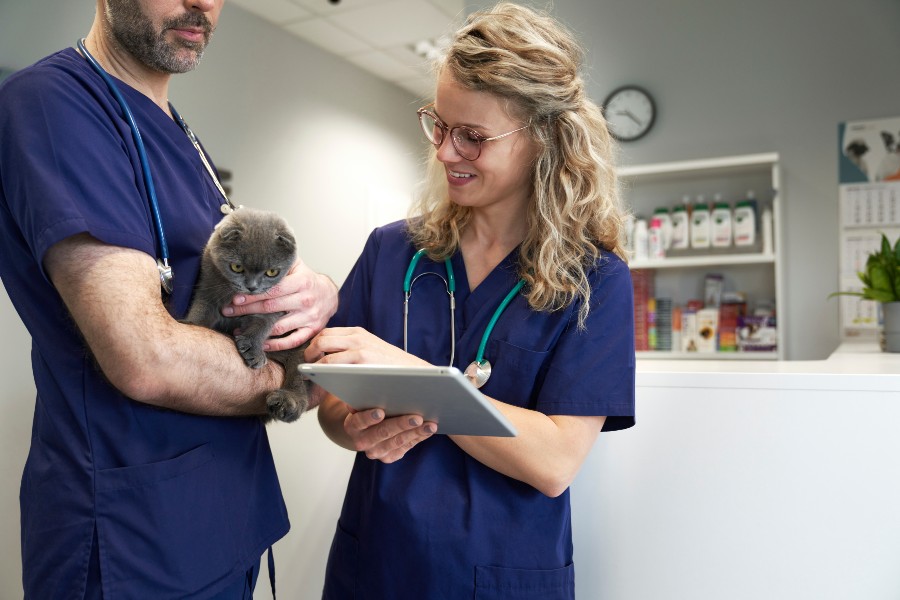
x=237, y=267
x=273, y=272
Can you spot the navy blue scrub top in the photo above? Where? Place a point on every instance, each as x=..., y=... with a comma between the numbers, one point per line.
x=181, y=503
x=438, y=524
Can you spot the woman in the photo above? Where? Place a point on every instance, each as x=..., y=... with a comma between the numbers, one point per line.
x=521, y=188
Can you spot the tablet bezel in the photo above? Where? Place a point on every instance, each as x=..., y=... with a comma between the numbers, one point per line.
x=439, y=394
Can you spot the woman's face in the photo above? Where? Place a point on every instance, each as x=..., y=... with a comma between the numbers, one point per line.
x=500, y=178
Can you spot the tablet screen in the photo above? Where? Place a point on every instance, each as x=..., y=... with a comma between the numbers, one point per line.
x=439, y=394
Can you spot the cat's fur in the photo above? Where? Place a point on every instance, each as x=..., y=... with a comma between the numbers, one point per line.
x=249, y=252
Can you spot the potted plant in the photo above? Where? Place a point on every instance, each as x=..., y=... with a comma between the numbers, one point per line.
x=881, y=283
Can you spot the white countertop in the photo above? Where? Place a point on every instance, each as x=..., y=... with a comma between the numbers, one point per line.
x=854, y=366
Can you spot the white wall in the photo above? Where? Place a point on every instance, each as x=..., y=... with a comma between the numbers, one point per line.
x=334, y=149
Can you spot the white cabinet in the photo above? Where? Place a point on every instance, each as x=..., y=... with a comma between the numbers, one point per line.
x=754, y=271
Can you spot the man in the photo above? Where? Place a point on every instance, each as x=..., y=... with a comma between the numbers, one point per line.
x=135, y=485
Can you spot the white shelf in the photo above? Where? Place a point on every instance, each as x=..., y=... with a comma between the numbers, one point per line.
x=725, y=163
x=678, y=262
x=681, y=278
x=664, y=355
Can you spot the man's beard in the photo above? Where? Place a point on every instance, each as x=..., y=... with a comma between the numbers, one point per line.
x=135, y=33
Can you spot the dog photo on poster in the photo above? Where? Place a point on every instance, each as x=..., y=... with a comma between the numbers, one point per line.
x=870, y=150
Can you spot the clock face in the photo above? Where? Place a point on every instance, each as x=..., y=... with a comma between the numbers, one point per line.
x=630, y=113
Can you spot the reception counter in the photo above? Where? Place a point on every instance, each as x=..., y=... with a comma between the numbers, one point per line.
x=748, y=479
x=855, y=366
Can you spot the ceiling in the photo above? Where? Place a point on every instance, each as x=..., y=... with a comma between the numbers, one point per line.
x=379, y=36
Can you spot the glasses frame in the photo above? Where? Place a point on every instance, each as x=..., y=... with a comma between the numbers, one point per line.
x=447, y=130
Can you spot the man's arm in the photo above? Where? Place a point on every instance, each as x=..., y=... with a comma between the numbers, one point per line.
x=113, y=294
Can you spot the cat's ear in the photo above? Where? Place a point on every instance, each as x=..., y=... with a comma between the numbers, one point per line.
x=286, y=239
x=231, y=232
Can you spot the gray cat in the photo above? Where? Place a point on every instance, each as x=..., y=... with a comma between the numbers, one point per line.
x=249, y=252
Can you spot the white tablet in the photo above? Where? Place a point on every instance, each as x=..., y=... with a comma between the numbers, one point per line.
x=439, y=394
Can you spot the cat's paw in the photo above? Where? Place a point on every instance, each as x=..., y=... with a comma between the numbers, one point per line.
x=252, y=354
x=285, y=405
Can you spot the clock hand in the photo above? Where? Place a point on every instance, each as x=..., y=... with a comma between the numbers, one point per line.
x=630, y=115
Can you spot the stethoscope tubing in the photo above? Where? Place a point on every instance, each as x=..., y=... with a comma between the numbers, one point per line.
x=142, y=152
x=408, y=281
x=479, y=361
x=479, y=358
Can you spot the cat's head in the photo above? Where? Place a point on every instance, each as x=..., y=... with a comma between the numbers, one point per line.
x=253, y=249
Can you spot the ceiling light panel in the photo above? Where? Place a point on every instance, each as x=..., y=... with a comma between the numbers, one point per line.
x=325, y=35
x=394, y=23
x=274, y=11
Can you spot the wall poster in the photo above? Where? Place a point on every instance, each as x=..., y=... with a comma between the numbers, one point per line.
x=869, y=205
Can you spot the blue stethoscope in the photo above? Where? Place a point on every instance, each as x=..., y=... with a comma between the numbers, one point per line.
x=166, y=275
x=479, y=370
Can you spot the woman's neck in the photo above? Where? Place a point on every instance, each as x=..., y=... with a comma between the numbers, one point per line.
x=484, y=243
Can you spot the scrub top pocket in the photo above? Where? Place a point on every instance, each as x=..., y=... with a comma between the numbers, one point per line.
x=500, y=583
x=515, y=372
x=163, y=528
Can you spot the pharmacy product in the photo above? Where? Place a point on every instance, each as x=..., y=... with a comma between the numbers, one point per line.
x=641, y=240
x=680, y=228
x=767, y=234
x=721, y=224
x=745, y=222
x=700, y=226
x=665, y=221
x=656, y=239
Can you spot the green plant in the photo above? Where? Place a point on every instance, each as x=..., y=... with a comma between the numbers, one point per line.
x=881, y=279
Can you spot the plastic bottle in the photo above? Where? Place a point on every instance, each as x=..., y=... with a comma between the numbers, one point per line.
x=745, y=221
x=629, y=234
x=767, y=234
x=680, y=228
x=641, y=240
x=700, y=229
x=656, y=238
x=721, y=223
x=662, y=213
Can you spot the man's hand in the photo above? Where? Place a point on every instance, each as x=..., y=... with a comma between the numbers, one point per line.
x=308, y=298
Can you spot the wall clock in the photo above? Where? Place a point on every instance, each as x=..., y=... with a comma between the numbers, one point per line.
x=630, y=112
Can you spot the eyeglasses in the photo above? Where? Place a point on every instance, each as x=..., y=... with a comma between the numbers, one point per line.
x=466, y=140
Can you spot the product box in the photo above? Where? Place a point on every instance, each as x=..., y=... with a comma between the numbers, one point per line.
x=729, y=313
x=757, y=334
x=643, y=281
x=713, y=285
x=689, y=331
x=708, y=330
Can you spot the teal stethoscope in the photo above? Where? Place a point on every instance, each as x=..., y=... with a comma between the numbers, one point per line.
x=165, y=271
x=479, y=370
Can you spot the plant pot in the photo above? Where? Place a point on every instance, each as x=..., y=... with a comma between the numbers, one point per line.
x=890, y=312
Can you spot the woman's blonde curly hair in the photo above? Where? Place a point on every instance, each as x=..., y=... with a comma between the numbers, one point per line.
x=533, y=62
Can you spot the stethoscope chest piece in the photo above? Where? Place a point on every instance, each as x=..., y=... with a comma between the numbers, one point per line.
x=478, y=372
x=165, y=275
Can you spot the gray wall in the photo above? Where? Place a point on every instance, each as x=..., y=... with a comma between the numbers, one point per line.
x=734, y=77
x=308, y=134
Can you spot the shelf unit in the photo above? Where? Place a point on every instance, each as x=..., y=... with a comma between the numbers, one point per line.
x=680, y=277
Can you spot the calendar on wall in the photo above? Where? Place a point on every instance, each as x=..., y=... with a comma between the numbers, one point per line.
x=869, y=205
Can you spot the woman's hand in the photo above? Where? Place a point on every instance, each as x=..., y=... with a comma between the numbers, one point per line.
x=308, y=298
x=387, y=440
x=384, y=439
x=355, y=345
